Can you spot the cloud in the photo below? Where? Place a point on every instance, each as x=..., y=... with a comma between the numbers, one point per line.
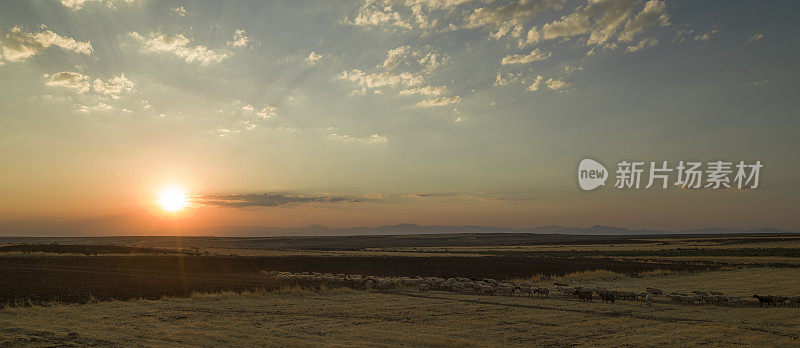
x=19, y=45
x=78, y=4
x=440, y=101
x=648, y=42
x=240, y=39
x=313, y=58
x=372, y=139
x=182, y=47
x=551, y=84
x=755, y=37
x=401, y=14
x=427, y=90
x=555, y=84
x=264, y=199
x=535, y=55
x=426, y=60
x=372, y=13
x=98, y=107
x=178, y=11
x=507, y=79
x=68, y=79
x=381, y=79
x=537, y=82
x=654, y=12
x=114, y=86
x=504, y=18
x=600, y=20
x=571, y=69
x=268, y=112
x=707, y=35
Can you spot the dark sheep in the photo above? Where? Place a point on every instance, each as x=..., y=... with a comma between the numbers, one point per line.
x=765, y=300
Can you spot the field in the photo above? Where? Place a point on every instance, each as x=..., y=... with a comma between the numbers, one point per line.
x=197, y=292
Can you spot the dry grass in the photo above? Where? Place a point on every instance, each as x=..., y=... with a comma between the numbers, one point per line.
x=594, y=275
x=405, y=318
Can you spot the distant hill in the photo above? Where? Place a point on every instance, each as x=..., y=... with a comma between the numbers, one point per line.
x=410, y=229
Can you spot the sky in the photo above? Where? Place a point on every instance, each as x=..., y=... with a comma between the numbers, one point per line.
x=377, y=112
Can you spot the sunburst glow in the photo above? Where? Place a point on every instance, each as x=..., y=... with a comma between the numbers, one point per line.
x=172, y=198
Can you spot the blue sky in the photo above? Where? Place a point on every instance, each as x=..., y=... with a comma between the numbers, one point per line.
x=419, y=109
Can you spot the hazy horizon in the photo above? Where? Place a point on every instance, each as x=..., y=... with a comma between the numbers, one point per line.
x=374, y=113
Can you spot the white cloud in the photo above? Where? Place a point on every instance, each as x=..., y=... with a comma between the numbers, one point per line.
x=78, y=4
x=114, y=86
x=179, y=11
x=507, y=79
x=654, y=12
x=98, y=107
x=707, y=35
x=68, y=79
x=571, y=69
x=551, y=83
x=440, y=101
x=537, y=82
x=555, y=84
x=600, y=20
x=535, y=55
x=372, y=139
x=504, y=18
x=427, y=91
x=313, y=58
x=373, y=13
x=648, y=42
x=181, y=46
x=426, y=60
x=268, y=112
x=19, y=45
x=240, y=39
x=381, y=79
x=755, y=37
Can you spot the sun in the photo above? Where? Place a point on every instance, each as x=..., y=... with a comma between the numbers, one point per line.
x=172, y=198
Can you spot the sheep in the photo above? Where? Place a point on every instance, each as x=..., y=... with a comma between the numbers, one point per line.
x=505, y=289
x=765, y=300
x=424, y=287
x=492, y=282
x=607, y=295
x=484, y=289
x=544, y=292
x=628, y=295
x=795, y=300
x=781, y=300
x=526, y=290
x=655, y=291
x=584, y=294
x=565, y=291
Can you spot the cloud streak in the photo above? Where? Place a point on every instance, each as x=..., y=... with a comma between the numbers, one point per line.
x=180, y=46
x=265, y=200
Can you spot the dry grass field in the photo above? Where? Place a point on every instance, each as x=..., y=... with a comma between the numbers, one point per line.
x=343, y=317
x=216, y=296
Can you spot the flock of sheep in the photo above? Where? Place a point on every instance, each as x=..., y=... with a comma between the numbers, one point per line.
x=488, y=286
